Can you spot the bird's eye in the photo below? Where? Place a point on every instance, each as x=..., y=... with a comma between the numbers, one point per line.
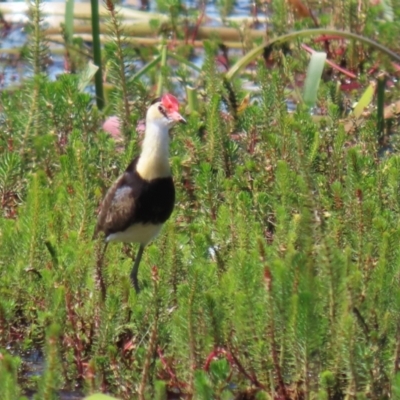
x=162, y=111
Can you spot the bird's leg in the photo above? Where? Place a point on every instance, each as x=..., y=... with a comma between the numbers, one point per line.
x=135, y=269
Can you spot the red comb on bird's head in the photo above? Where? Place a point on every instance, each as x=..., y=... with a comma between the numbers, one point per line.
x=170, y=102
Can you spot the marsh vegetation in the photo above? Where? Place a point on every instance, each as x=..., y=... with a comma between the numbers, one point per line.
x=278, y=274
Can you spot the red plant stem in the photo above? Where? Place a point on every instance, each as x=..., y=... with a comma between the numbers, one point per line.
x=233, y=361
x=396, y=66
x=252, y=378
x=215, y=353
x=332, y=64
x=199, y=21
x=77, y=343
x=397, y=352
x=275, y=359
x=271, y=333
x=170, y=371
x=350, y=86
x=209, y=359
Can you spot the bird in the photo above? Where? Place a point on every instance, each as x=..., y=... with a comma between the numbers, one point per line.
x=142, y=198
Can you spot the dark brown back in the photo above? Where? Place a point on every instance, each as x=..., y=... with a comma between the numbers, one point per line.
x=131, y=199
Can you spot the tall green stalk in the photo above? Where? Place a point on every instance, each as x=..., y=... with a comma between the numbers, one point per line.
x=380, y=107
x=163, y=64
x=193, y=104
x=97, y=54
x=69, y=20
x=38, y=53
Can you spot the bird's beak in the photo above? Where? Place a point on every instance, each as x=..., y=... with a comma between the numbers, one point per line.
x=176, y=117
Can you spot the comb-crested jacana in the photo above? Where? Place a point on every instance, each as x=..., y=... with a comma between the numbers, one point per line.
x=139, y=202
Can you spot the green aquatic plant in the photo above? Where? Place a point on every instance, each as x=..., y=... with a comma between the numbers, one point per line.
x=280, y=257
x=276, y=276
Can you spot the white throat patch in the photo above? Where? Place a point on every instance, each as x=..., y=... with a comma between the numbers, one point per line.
x=153, y=161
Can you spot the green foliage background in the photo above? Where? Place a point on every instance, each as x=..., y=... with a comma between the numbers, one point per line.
x=281, y=258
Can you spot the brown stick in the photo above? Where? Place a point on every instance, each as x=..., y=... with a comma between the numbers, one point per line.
x=144, y=29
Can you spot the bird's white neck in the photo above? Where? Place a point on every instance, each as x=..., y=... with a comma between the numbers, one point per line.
x=153, y=161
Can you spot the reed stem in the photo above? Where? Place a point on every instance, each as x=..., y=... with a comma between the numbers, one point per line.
x=98, y=78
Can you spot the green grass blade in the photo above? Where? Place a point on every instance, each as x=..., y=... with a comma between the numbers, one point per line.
x=146, y=68
x=185, y=61
x=313, y=78
x=365, y=100
x=191, y=94
x=86, y=76
x=388, y=13
x=160, y=85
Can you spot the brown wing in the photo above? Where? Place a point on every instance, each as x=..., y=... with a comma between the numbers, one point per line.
x=117, y=208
